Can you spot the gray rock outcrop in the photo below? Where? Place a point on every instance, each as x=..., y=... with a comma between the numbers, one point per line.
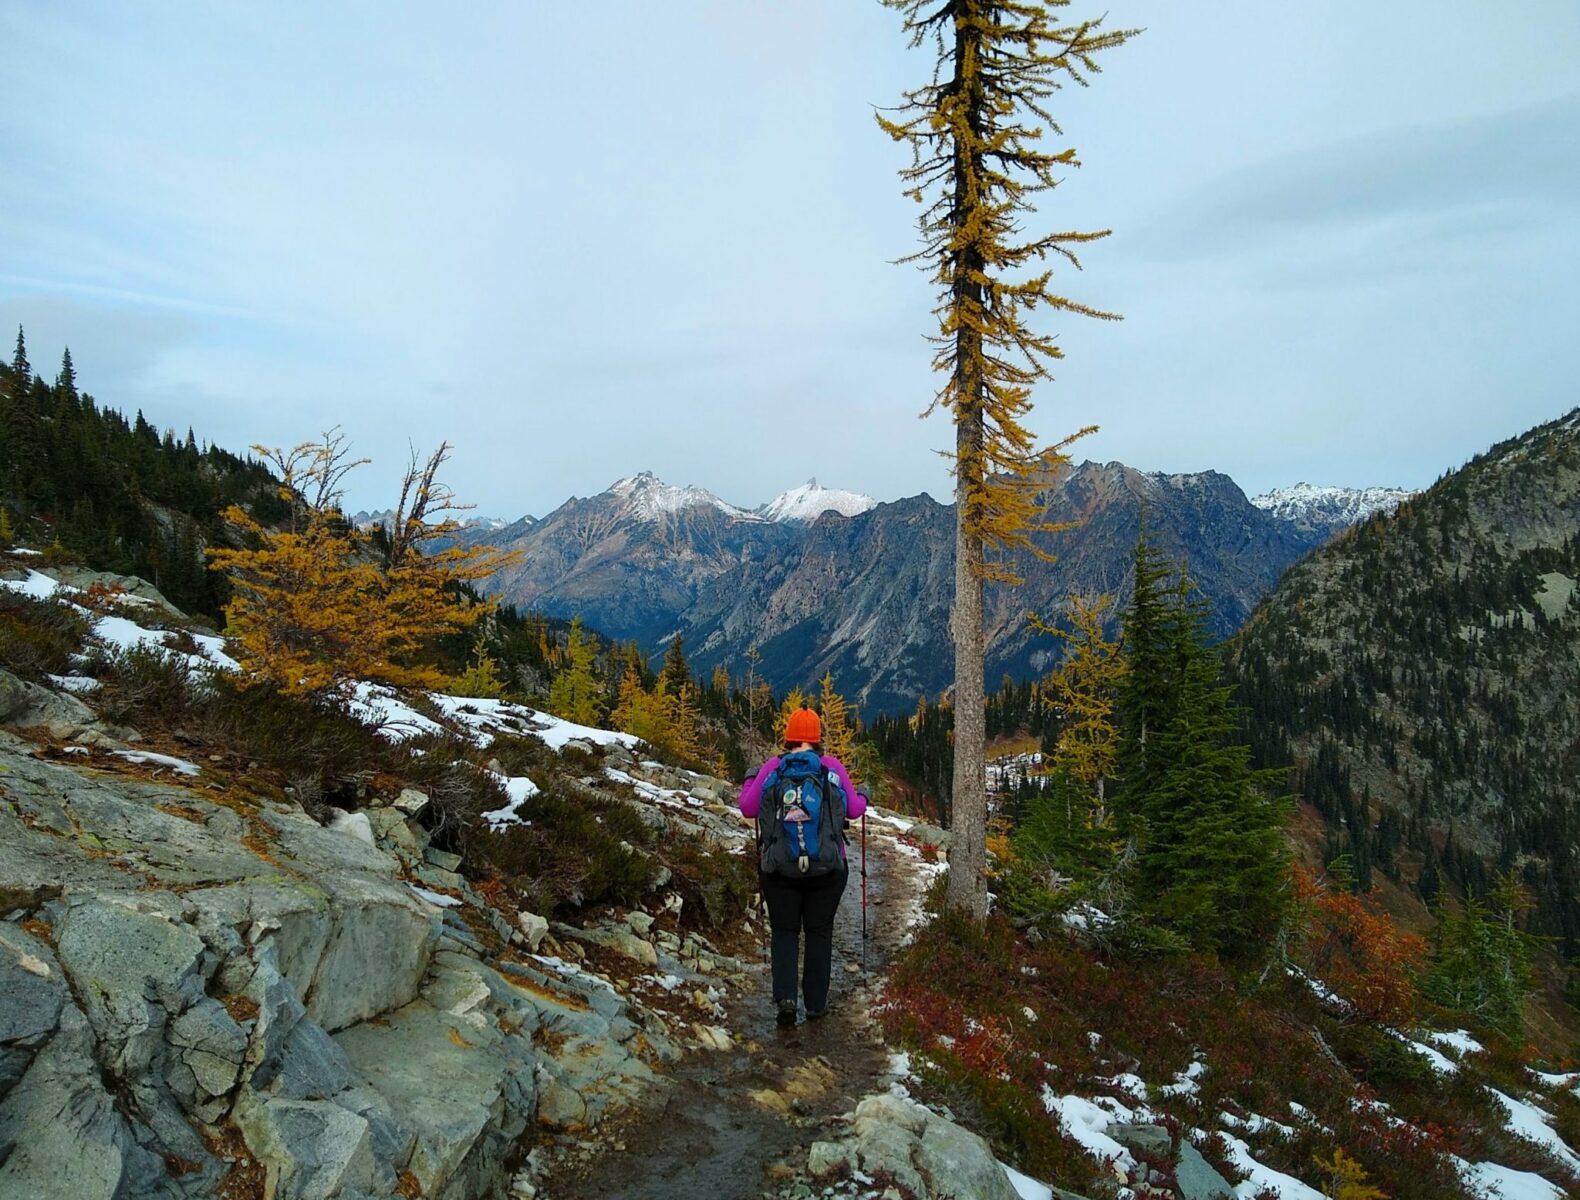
x=197, y=994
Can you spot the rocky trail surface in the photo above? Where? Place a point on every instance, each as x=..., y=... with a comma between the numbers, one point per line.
x=738, y=1123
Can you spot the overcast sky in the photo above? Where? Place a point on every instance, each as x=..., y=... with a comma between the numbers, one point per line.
x=585, y=240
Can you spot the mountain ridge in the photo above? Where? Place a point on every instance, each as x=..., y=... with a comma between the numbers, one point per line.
x=867, y=595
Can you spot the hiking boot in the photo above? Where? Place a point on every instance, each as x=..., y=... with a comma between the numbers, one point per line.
x=786, y=1012
x=817, y=1014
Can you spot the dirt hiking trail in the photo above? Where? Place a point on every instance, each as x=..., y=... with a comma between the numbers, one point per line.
x=718, y=1124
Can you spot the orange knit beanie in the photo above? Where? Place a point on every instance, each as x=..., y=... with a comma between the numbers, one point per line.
x=803, y=726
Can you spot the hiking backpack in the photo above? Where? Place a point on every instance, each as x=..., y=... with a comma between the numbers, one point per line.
x=801, y=821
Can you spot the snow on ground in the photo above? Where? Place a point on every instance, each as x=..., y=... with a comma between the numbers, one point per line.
x=1570, y=1080
x=435, y=898
x=484, y=717
x=1535, y=1125
x=899, y=823
x=1458, y=1041
x=1252, y=1123
x=1186, y=1083
x=668, y=797
x=1258, y=1177
x=75, y=683
x=1085, y=916
x=1493, y=1182
x=1088, y=1124
x=148, y=758
x=36, y=584
x=382, y=707
x=1025, y=1186
x=520, y=789
x=121, y=633
x=1441, y=1063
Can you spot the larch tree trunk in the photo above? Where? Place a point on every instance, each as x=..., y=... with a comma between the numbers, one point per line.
x=967, y=888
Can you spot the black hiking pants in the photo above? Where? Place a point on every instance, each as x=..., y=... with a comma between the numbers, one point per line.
x=795, y=905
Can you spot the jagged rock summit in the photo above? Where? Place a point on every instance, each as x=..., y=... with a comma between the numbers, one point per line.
x=648, y=498
x=1324, y=510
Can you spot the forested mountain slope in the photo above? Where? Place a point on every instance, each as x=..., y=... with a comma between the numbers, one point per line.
x=1423, y=673
x=117, y=492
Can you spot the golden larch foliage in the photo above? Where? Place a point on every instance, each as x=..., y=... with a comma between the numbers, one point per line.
x=1346, y=1179
x=838, y=736
x=794, y=699
x=977, y=165
x=1085, y=687
x=313, y=608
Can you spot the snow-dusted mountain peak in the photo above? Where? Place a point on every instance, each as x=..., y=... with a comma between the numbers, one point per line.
x=811, y=500
x=1327, y=507
x=650, y=498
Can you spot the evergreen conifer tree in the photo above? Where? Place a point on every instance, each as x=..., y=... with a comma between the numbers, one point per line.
x=676, y=675
x=21, y=369
x=1211, y=862
x=974, y=133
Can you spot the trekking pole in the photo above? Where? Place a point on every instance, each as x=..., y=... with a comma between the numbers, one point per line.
x=863, y=891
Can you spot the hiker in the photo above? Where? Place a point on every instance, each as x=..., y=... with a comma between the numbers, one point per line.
x=802, y=800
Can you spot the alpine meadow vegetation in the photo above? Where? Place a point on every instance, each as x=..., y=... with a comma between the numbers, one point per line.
x=975, y=134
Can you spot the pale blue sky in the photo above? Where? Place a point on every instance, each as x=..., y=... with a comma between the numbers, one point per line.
x=584, y=240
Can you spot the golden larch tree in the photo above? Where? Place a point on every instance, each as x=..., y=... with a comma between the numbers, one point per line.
x=315, y=610
x=1085, y=687
x=793, y=700
x=975, y=133
x=838, y=736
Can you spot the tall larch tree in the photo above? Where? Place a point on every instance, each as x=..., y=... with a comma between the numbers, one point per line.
x=975, y=133
x=838, y=737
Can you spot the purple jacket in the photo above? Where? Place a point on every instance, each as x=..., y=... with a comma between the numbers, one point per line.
x=752, y=792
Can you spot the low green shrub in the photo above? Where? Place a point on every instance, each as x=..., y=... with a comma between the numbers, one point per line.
x=38, y=636
x=141, y=682
x=569, y=851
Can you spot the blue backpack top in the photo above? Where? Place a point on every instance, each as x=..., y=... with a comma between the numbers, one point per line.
x=801, y=821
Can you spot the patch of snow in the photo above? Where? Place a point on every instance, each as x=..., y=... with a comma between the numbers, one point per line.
x=75, y=683
x=1025, y=1186
x=1441, y=1063
x=1088, y=1124
x=1255, y=1124
x=435, y=898
x=1186, y=1083
x=668, y=982
x=1491, y=1181
x=148, y=758
x=1569, y=1080
x=899, y=823
x=1301, y=1113
x=1085, y=916
x=36, y=584
x=519, y=789
x=24, y=552
x=382, y=707
x=1258, y=1177
x=811, y=500
x=1535, y=1125
x=555, y=732
x=1130, y=1084
x=1458, y=1041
